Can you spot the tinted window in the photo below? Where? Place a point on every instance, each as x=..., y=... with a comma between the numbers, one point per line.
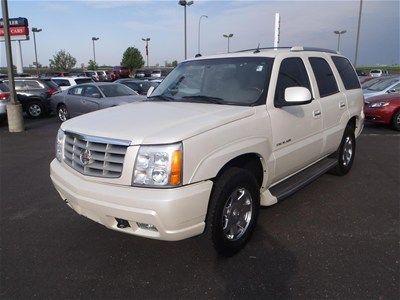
x=382, y=85
x=91, y=91
x=346, y=72
x=83, y=80
x=19, y=85
x=32, y=85
x=116, y=90
x=77, y=91
x=50, y=83
x=4, y=88
x=324, y=76
x=61, y=82
x=292, y=73
x=132, y=85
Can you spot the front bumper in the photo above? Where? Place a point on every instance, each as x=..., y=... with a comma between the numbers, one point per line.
x=380, y=115
x=177, y=213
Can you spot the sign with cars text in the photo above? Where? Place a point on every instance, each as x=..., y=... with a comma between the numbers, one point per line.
x=19, y=30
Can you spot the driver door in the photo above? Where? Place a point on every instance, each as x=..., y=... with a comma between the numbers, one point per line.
x=91, y=99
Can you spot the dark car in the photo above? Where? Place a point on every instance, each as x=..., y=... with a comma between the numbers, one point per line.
x=383, y=109
x=4, y=100
x=34, y=95
x=119, y=72
x=139, y=86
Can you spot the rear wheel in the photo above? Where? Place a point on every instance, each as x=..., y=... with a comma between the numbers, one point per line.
x=35, y=110
x=396, y=120
x=345, y=154
x=62, y=112
x=233, y=210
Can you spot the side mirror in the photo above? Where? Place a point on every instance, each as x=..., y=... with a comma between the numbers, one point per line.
x=96, y=95
x=391, y=91
x=297, y=95
x=150, y=90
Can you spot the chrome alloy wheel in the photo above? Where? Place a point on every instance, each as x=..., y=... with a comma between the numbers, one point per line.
x=398, y=120
x=237, y=214
x=62, y=113
x=35, y=110
x=347, y=151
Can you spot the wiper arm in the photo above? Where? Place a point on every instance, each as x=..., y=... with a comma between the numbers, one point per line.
x=206, y=99
x=162, y=97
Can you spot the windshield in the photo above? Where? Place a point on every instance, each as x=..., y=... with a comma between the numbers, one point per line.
x=234, y=81
x=382, y=85
x=116, y=90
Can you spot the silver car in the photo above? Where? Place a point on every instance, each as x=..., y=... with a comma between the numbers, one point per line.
x=385, y=86
x=85, y=98
x=4, y=100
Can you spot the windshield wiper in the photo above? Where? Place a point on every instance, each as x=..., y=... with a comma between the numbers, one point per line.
x=205, y=98
x=162, y=97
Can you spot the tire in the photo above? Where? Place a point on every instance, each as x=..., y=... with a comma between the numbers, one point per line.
x=396, y=120
x=346, y=153
x=235, y=199
x=35, y=110
x=62, y=113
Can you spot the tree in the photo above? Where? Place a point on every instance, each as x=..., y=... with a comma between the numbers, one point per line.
x=132, y=59
x=174, y=63
x=62, y=61
x=92, y=65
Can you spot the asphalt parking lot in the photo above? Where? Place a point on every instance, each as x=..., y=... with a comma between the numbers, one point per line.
x=337, y=238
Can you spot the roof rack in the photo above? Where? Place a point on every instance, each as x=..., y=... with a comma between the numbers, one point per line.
x=292, y=49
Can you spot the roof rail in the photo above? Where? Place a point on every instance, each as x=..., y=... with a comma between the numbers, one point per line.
x=264, y=48
x=301, y=48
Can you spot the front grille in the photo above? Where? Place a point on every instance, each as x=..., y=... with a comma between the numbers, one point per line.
x=94, y=156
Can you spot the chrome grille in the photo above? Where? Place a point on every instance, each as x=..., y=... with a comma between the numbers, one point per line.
x=104, y=157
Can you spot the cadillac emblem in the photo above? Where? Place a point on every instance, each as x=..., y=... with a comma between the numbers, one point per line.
x=85, y=157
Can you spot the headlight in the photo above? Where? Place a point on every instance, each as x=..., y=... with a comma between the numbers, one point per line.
x=158, y=166
x=59, y=144
x=379, y=104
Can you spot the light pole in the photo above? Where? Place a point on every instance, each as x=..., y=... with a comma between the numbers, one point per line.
x=339, y=33
x=14, y=109
x=198, y=35
x=228, y=36
x=147, y=49
x=94, y=50
x=185, y=3
x=35, y=30
x=358, y=33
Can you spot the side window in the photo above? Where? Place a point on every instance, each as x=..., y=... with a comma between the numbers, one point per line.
x=91, y=91
x=324, y=76
x=62, y=82
x=78, y=91
x=19, y=85
x=292, y=72
x=346, y=72
x=32, y=85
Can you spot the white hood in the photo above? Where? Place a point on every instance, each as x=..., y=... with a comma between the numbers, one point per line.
x=156, y=122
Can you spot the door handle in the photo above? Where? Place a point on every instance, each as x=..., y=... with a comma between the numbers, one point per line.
x=316, y=113
x=83, y=101
x=342, y=104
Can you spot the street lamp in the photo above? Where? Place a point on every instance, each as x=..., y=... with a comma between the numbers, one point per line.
x=94, y=51
x=198, y=35
x=35, y=30
x=147, y=49
x=185, y=3
x=339, y=33
x=228, y=36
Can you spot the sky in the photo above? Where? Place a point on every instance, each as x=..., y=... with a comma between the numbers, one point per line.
x=70, y=25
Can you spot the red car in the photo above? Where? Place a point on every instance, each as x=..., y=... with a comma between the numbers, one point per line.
x=383, y=109
x=119, y=72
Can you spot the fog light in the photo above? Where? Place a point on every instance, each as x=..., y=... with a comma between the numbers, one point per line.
x=146, y=226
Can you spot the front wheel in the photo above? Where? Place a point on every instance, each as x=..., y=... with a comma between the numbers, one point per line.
x=396, y=120
x=233, y=211
x=346, y=153
x=62, y=113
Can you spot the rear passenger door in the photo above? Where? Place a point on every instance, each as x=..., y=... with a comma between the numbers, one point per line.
x=333, y=103
x=297, y=129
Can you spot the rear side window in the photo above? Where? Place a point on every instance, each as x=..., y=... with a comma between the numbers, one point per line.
x=50, y=83
x=346, y=72
x=62, y=82
x=324, y=76
x=32, y=84
x=83, y=80
x=4, y=88
x=292, y=73
x=77, y=91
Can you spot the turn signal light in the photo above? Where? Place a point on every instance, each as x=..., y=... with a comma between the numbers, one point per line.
x=176, y=168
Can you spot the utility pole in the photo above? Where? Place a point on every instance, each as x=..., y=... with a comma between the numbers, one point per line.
x=35, y=30
x=185, y=3
x=277, y=30
x=358, y=33
x=14, y=109
x=198, y=35
x=228, y=36
x=147, y=49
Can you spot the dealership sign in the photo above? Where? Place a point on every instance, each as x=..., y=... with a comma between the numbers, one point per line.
x=19, y=29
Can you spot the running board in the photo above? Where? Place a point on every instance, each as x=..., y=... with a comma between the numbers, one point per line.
x=291, y=185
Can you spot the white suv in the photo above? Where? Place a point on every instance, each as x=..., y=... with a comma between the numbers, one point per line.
x=66, y=82
x=220, y=136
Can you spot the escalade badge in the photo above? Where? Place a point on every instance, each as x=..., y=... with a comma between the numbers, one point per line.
x=85, y=157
